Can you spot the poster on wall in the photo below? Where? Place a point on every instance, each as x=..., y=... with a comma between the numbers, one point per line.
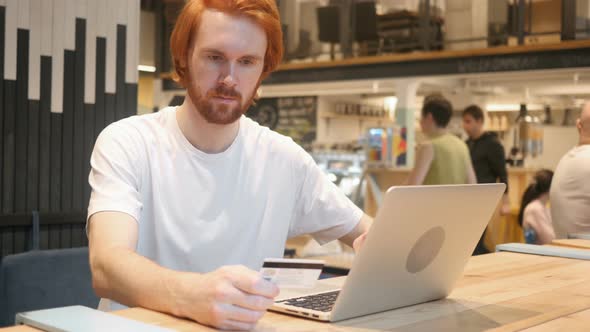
x=387, y=147
x=291, y=116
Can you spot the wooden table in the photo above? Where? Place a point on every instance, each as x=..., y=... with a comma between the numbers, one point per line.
x=578, y=321
x=572, y=243
x=502, y=291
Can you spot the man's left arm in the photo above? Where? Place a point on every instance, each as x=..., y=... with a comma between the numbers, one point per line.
x=497, y=161
x=356, y=237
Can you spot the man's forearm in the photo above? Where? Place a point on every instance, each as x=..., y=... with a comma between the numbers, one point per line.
x=130, y=279
x=361, y=228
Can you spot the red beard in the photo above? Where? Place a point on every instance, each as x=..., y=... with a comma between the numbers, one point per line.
x=216, y=112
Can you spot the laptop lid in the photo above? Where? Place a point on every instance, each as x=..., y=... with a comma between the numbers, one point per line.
x=81, y=319
x=417, y=247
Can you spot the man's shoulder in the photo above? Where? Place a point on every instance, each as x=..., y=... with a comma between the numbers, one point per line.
x=276, y=147
x=575, y=160
x=134, y=134
x=138, y=126
x=264, y=136
x=534, y=208
x=491, y=140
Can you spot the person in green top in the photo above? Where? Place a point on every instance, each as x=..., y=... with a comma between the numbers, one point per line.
x=443, y=158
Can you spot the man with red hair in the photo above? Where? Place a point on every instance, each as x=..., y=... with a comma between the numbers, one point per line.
x=187, y=202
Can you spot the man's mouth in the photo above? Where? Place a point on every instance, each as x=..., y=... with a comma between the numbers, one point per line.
x=225, y=99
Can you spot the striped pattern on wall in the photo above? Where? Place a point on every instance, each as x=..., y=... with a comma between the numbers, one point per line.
x=69, y=68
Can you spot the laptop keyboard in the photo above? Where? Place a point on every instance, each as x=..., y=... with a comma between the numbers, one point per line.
x=320, y=302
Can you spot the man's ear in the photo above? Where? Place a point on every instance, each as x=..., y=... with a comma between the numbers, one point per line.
x=429, y=117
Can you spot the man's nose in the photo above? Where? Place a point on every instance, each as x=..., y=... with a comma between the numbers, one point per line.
x=228, y=76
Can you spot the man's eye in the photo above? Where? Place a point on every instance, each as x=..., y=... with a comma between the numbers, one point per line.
x=247, y=62
x=215, y=57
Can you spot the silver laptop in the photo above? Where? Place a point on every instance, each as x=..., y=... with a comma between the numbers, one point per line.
x=82, y=319
x=418, y=245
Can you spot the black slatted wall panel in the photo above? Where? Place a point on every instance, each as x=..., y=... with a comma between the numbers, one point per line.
x=45, y=155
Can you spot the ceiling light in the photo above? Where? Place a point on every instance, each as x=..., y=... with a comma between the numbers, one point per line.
x=375, y=86
x=512, y=107
x=389, y=104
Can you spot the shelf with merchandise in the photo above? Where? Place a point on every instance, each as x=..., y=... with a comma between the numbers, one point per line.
x=332, y=115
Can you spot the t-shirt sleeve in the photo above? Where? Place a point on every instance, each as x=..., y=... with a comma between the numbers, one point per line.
x=321, y=208
x=115, y=173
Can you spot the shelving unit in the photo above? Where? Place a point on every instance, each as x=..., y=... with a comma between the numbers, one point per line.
x=380, y=120
x=331, y=115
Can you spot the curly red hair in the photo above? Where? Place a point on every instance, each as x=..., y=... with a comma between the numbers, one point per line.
x=263, y=12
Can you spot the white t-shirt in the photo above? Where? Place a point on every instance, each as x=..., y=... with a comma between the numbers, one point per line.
x=570, y=193
x=198, y=211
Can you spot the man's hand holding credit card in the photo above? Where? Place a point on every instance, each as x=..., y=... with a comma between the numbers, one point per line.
x=292, y=273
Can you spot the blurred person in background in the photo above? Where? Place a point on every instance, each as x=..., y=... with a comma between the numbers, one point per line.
x=570, y=191
x=488, y=159
x=534, y=215
x=443, y=158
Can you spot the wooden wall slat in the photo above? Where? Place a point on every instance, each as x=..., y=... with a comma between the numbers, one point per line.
x=88, y=145
x=2, y=109
x=131, y=107
x=57, y=57
x=132, y=52
x=21, y=127
x=11, y=24
x=90, y=73
x=100, y=121
x=67, y=131
x=54, y=236
x=34, y=78
x=43, y=237
x=120, y=79
x=33, y=157
x=20, y=239
x=7, y=241
x=78, y=139
x=78, y=236
x=109, y=108
x=111, y=50
x=9, y=146
x=65, y=232
x=45, y=135
x=56, y=162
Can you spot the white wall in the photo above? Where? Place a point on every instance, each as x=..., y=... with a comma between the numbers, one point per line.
x=557, y=141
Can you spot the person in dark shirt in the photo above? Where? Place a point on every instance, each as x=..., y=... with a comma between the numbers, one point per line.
x=487, y=157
